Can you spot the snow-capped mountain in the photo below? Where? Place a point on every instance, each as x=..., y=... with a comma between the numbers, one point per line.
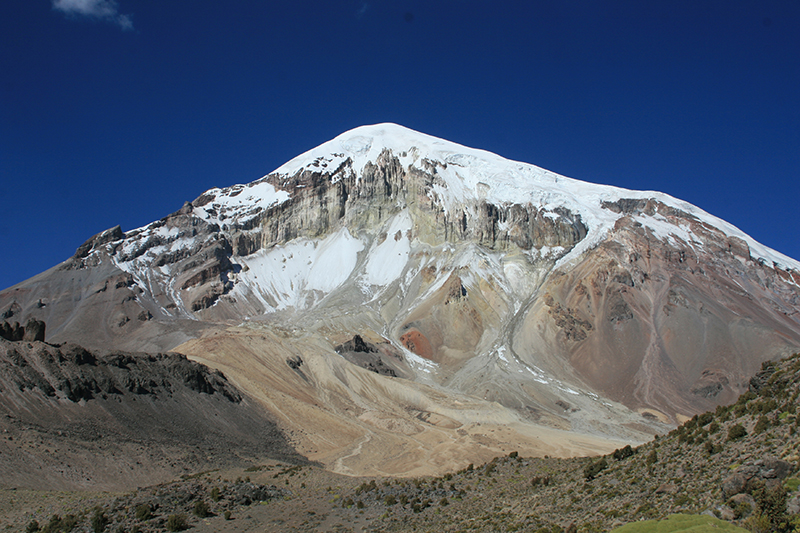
x=572, y=305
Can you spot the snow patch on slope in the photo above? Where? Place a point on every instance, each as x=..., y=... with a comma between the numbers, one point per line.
x=239, y=203
x=282, y=276
x=388, y=259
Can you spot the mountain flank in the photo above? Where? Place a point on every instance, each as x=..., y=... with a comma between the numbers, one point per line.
x=75, y=419
x=738, y=463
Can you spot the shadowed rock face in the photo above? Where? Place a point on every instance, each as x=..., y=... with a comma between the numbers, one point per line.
x=33, y=331
x=149, y=409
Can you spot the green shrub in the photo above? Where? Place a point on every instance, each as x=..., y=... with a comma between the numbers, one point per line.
x=682, y=499
x=55, y=525
x=540, y=480
x=771, y=503
x=33, y=527
x=143, y=512
x=704, y=419
x=61, y=525
x=391, y=500
x=215, y=494
x=762, y=425
x=652, y=458
x=593, y=468
x=713, y=448
x=99, y=520
x=68, y=523
x=177, y=522
x=740, y=509
x=623, y=453
x=201, y=509
x=758, y=523
x=736, y=431
x=227, y=515
x=746, y=397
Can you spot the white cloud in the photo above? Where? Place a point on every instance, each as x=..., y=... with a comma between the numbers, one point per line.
x=100, y=9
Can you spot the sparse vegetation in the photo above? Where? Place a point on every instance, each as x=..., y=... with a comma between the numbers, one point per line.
x=177, y=522
x=143, y=512
x=99, y=520
x=681, y=523
x=736, y=431
x=593, y=468
x=201, y=509
x=710, y=464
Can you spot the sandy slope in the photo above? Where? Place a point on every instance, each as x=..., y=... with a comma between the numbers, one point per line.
x=358, y=422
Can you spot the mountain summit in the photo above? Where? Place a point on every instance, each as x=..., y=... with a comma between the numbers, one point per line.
x=392, y=289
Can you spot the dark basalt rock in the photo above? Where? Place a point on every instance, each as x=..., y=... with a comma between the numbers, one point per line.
x=12, y=310
x=295, y=362
x=80, y=375
x=761, y=378
x=12, y=332
x=574, y=327
x=34, y=330
x=356, y=344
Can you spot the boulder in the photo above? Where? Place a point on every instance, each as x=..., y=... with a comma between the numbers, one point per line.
x=726, y=513
x=734, y=484
x=743, y=505
x=773, y=468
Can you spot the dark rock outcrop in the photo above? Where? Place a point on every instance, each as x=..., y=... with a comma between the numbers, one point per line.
x=109, y=235
x=767, y=469
x=357, y=345
x=34, y=330
x=6, y=331
x=14, y=332
x=76, y=374
x=160, y=413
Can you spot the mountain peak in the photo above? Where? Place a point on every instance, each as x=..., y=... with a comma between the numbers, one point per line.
x=365, y=143
x=566, y=305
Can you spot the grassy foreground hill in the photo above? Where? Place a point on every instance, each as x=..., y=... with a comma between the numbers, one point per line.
x=738, y=464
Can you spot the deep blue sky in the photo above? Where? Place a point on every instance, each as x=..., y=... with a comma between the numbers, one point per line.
x=118, y=113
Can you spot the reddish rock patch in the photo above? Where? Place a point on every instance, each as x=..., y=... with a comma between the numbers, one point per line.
x=417, y=343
